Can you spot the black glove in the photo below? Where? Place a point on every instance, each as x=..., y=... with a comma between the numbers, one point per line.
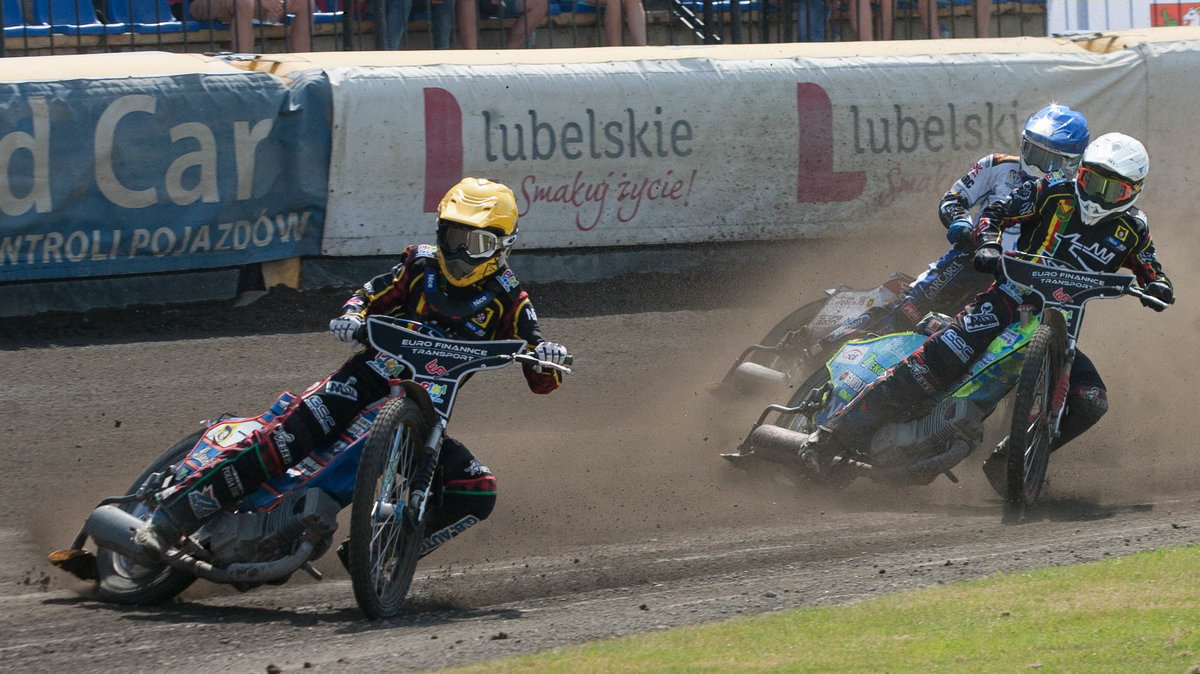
x=987, y=258
x=1159, y=290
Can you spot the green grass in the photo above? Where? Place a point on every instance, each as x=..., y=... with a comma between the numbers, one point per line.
x=1139, y=613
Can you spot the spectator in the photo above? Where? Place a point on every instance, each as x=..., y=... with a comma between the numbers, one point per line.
x=531, y=14
x=635, y=20
x=398, y=12
x=811, y=18
x=862, y=21
x=983, y=17
x=241, y=14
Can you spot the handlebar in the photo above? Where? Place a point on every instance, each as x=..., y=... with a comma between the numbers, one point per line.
x=1135, y=291
x=533, y=360
x=1147, y=299
x=360, y=337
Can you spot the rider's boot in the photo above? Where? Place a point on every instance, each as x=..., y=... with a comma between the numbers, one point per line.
x=219, y=483
x=995, y=468
x=854, y=426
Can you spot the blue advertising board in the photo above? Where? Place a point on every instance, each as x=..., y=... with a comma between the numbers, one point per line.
x=134, y=175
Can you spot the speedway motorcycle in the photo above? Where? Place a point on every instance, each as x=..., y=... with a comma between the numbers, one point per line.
x=1031, y=358
x=383, y=466
x=805, y=338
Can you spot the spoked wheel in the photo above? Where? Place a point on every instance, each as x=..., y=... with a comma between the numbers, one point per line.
x=384, y=534
x=124, y=581
x=1030, y=435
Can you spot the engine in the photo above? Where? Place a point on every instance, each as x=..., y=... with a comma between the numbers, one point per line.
x=271, y=534
x=955, y=424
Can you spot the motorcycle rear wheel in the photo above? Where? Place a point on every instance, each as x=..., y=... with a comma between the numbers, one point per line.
x=1030, y=435
x=384, y=542
x=124, y=581
x=780, y=361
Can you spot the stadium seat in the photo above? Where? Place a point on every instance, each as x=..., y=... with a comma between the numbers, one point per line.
x=74, y=17
x=328, y=11
x=14, y=22
x=147, y=16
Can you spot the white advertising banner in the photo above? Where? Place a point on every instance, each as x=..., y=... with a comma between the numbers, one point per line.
x=693, y=150
x=1065, y=16
x=1173, y=142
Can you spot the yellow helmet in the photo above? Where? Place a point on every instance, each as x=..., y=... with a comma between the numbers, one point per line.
x=476, y=225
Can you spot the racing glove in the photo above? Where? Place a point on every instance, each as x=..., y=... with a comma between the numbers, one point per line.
x=1159, y=290
x=987, y=258
x=551, y=352
x=344, y=327
x=960, y=233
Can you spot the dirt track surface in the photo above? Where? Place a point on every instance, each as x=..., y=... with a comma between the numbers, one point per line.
x=616, y=514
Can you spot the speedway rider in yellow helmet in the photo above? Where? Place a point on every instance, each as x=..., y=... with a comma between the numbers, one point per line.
x=464, y=288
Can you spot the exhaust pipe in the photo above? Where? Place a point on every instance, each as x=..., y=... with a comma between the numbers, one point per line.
x=775, y=443
x=113, y=528
x=754, y=377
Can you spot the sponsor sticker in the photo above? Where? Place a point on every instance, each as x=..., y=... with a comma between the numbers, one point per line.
x=958, y=345
x=343, y=389
x=232, y=480
x=982, y=319
x=508, y=279
x=850, y=355
x=283, y=445
x=203, y=503
x=321, y=412
x=852, y=381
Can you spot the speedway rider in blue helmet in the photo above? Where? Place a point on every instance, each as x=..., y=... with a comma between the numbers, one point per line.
x=1052, y=142
x=1087, y=220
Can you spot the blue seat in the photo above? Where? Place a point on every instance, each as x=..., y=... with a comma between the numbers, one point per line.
x=14, y=22
x=147, y=16
x=74, y=17
x=331, y=12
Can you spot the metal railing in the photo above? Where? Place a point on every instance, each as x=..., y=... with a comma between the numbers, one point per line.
x=42, y=27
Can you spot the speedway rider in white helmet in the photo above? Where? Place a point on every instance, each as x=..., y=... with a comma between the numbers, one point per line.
x=1089, y=222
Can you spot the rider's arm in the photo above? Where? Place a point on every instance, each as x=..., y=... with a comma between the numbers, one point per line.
x=524, y=325
x=384, y=292
x=1142, y=260
x=989, y=175
x=1019, y=207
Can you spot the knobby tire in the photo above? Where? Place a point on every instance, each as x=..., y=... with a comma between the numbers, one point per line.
x=1029, y=436
x=383, y=550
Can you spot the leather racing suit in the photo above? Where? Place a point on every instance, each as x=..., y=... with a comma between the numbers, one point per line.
x=950, y=281
x=495, y=308
x=1044, y=216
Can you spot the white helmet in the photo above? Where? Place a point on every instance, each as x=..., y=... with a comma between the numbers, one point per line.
x=1111, y=174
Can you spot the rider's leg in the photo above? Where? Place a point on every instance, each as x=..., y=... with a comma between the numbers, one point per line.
x=945, y=286
x=319, y=413
x=468, y=495
x=1087, y=401
x=933, y=368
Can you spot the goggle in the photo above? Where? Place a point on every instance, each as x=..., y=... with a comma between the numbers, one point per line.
x=476, y=242
x=1045, y=159
x=1106, y=190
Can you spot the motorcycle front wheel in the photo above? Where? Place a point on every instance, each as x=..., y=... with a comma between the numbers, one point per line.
x=124, y=581
x=1030, y=434
x=384, y=537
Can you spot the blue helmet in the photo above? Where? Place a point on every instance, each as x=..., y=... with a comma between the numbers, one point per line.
x=1053, y=140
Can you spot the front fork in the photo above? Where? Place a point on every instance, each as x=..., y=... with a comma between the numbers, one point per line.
x=422, y=483
x=1061, y=385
